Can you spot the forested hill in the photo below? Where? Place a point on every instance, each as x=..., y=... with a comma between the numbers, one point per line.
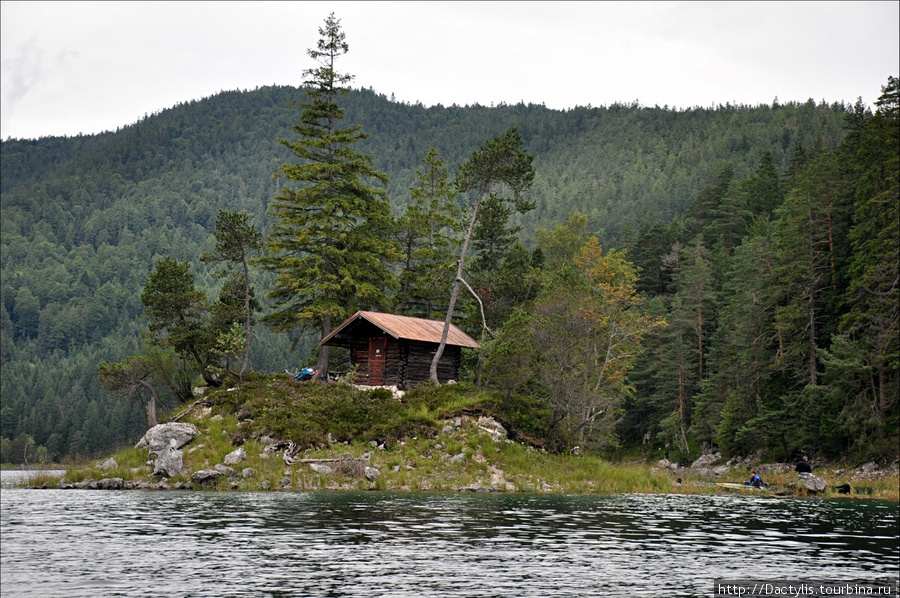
x=615, y=164
x=84, y=219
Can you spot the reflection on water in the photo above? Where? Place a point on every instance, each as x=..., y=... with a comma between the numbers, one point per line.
x=90, y=543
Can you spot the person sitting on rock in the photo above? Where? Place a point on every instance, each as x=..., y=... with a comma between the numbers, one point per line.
x=803, y=465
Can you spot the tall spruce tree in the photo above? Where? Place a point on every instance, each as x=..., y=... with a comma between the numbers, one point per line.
x=874, y=289
x=428, y=240
x=329, y=246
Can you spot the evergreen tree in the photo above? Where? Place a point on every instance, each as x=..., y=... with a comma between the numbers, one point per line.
x=427, y=235
x=728, y=219
x=805, y=266
x=691, y=322
x=874, y=292
x=329, y=245
x=509, y=363
x=518, y=281
x=501, y=161
x=763, y=190
x=648, y=251
x=177, y=314
x=705, y=207
x=236, y=240
x=492, y=239
x=130, y=379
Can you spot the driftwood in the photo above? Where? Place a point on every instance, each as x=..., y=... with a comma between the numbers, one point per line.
x=189, y=408
x=290, y=453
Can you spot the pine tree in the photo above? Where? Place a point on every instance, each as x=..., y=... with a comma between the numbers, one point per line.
x=763, y=190
x=691, y=322
x=329, y=246
x=874, y=290
x=502, y=161
x=805, y=265
x=648, y=251
x=178, y=315
x=703, y=209
x=236, y=240
x=427, y=236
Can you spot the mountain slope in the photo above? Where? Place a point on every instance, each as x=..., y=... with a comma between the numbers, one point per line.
x=84, y=219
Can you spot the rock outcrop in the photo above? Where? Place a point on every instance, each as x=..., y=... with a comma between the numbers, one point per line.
x=492, y=427
x=107, y=464
x=235, y=456
x=160, y=437
x=811, y=482
x=206, y=476
x=169, y=462
x=706, y=461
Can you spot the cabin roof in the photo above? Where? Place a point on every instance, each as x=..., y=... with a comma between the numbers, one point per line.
x=399, y=327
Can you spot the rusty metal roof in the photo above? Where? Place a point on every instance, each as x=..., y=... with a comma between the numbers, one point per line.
x=405, y=327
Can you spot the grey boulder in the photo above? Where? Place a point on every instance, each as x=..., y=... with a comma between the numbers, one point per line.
x=169, y=462
x=235, y=456
x=811, y=482
x=206, y=476
x=107, y=464
x=160, y=437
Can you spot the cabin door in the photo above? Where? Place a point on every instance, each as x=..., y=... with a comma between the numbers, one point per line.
x=377, y=349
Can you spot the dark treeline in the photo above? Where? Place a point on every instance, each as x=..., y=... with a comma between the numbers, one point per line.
x=709, y=203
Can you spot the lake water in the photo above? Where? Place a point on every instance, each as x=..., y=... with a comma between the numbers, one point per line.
x=144, y=543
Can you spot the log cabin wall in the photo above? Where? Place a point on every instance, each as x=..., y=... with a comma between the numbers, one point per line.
x=392, y=362
x=416, y=365
x=407, y=363
x=359, y=356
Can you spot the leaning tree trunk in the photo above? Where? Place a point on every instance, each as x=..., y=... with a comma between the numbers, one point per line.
x=247, y=321
x=324, y=350
x=454, y=294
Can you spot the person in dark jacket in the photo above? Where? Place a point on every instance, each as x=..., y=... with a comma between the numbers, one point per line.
x=803, y=466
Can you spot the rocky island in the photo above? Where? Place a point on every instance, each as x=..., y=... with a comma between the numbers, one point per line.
x=276, y=434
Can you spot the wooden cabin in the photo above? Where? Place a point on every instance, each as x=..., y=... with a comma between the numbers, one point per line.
x=390, y=350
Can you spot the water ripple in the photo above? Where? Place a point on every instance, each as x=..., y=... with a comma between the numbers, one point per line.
x=90, y=543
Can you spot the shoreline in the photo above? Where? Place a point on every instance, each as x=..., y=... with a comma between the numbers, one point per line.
x=632, y=478
x=266, y=435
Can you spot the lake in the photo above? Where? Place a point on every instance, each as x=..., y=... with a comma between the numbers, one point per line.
x=184, y=543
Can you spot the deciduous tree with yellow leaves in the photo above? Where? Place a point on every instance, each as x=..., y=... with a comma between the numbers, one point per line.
x=588, y=328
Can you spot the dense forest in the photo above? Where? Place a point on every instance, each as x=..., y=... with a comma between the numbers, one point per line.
x=760, y=242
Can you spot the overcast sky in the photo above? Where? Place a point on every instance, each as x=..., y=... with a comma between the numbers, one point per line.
x=85, y=67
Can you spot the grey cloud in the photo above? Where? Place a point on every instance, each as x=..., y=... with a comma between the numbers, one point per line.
x=23, y=72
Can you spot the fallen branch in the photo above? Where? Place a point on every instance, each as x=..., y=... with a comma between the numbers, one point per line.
x=188, y=410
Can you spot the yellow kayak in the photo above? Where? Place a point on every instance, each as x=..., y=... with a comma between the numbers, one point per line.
x=737, y=486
